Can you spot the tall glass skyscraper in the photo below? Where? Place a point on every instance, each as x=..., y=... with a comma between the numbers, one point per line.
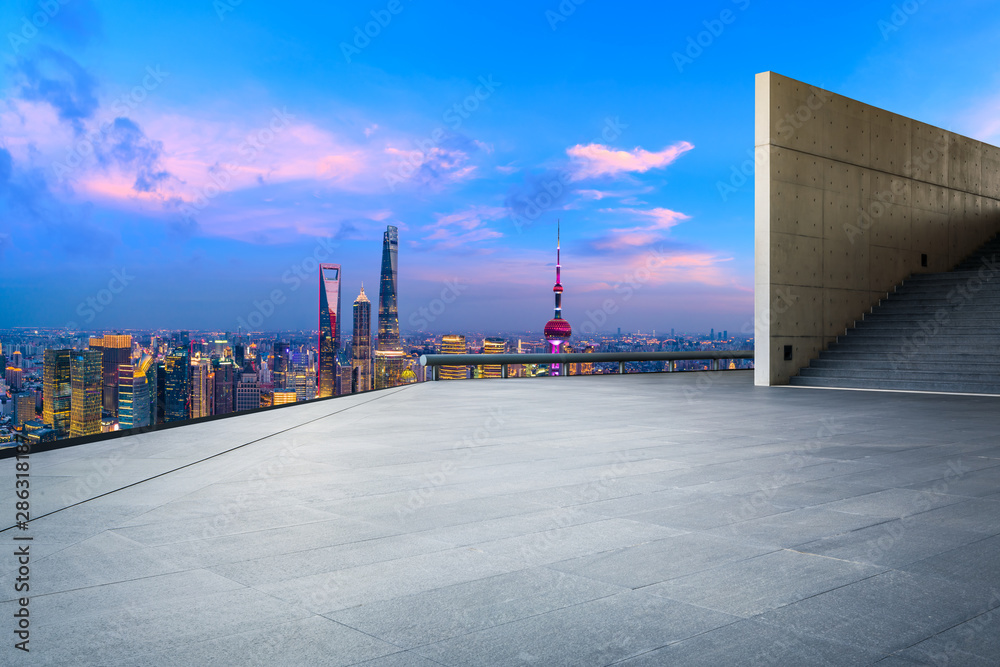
x=202, y=387
x=279, y=369
x=175, y=369
x=361, y=345
x=86, y=379
x=133, y=395
x=116, y=350
x=388, y=313
x=329, y=329
x=56, y=391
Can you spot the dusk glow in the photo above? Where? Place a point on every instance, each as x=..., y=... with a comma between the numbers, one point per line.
x=214, y=152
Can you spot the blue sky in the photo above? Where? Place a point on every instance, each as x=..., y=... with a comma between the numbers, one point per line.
x=209, y=151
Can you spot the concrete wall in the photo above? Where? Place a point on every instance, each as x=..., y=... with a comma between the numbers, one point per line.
x=847, y=199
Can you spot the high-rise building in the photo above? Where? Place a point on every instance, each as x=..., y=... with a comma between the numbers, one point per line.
x=202, y=387
x=225, y=387
x=388, y=309
x=176, y=385
x=453, y=344
x=361, y=344
x=329, y=329
x=493, y=346
x=389, y=367
x=160, y=394
x=557, y=330
x=24, y=408
x=17, y=359
x=133, y=394
x=247, y=392
x=115, y=351
x=14, y=377
x=304, y=384
x=86, y=380
x=279, y=366
x=284, y=396
x=56, y=391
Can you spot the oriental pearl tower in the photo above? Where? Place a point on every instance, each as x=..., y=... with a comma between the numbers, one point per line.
x=557, y=329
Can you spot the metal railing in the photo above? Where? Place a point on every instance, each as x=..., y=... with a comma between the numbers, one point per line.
x=435, y=361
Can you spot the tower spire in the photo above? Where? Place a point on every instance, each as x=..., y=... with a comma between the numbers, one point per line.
x=557, y=330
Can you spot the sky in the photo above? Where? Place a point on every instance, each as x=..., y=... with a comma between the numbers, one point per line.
x=186, y=164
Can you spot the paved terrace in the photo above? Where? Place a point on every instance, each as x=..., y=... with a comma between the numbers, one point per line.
x=685, y=518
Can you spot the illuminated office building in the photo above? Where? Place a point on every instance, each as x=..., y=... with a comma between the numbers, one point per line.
x=304, y=384
x=453, y=344
x=247, y=392
x=389, y=367
x=24, y=408
x=115, y=351
x=176, y=373
x=86, y=381
x=557, y=330
x=56, y=391
x=17, y=359
x=279, y=364
x=202, y=387
x=329, y=330
x=284, y=396
x=361, y=344
x=133, y=394
x=14, y=377
x=493, y=346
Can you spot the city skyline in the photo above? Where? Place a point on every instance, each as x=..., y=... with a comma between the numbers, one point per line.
x=140, y=188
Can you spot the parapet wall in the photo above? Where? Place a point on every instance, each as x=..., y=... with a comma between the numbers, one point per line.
x=849, y=201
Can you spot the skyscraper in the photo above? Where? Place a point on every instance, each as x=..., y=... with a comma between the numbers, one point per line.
x=493, y=346
x=133, y=394
x=176, y=384
x=202, y=387
x=86, y=380
x=56, y=391
x=361, y=344
x=279, y=369
x=24, y=408
x=453, y=344
x=329, y=329
x=388, y=313
x=225, y=387
x=389, y=367
x=115, y=351
x=557, y=329
x=247, y=393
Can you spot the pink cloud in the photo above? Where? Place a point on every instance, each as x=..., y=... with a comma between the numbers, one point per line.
x=659, y=221
x=462, y=227
x=598, y=160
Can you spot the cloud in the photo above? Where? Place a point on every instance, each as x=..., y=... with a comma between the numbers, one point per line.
x=55, y=78
x=464, y=227
x=659, y=221
x=594, y=160
x=126, y=147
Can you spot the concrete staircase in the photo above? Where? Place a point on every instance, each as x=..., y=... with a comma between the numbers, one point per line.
x=935, y=332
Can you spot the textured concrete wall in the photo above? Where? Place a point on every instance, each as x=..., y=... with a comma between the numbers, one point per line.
x=848, y=197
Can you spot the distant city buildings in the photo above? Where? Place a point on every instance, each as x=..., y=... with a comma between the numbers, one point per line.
x=453, y=344
x=86, y=382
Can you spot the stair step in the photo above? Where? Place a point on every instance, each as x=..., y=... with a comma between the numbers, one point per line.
x=850, y=383
x=902, y=375
x=881, y=364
